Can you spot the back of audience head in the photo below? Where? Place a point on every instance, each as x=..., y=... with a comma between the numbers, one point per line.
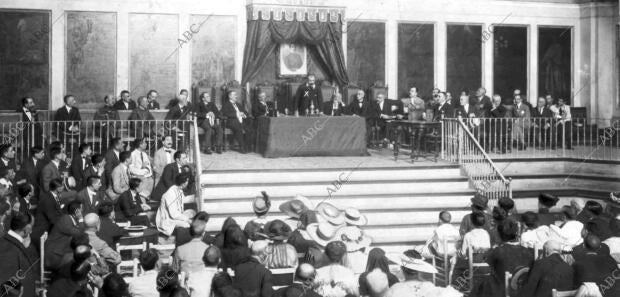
x=506, y=204
x=335, y=251
x=530, y=219
x=592, y=242
x=212, y=256
x=36, y=151
x=202, y=216
x=91, y=222
x=105, y=209
x=445, y=217
x=478, y=219
x=149, y=259
x=552, y=247
x=377, y=259
x=81, y=253
x=499, y=214
x=124, y=156
x=259, y=250
x=569, y=213
x=305, y=273
x=21, y=224
x=74, y=208
x=134, y=183
x=234, y=237
x=594, y=207
x=24, y=190
x=96, y=159
x=181, y=180
x=197, y=229
x=114, y=286
x=55, y=185
x=508, y=230
x=55, y=153
x=377, y=283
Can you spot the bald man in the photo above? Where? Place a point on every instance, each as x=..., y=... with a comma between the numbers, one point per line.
x=302, y=286
x=597, y=267
x=92, y=225
x=550, y=272
x=188, y=257
x=199, y=282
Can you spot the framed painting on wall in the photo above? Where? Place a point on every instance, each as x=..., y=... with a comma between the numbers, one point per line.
x=292, y=60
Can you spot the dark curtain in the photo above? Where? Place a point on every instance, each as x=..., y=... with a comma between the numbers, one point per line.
x=323, y=40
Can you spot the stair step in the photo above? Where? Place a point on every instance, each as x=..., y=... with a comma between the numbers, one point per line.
x=327, y=176
x=432, y=186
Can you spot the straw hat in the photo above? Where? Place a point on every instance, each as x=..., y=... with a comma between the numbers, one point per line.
x=353, y=237
x=354, y=217
x=294, y=208
x=322, y=233
x=277, y=230
x=331, y=213
x=413, y=260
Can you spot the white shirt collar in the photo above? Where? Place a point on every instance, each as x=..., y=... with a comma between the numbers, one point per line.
x=16, y=236
x=90, y=192
x=68, y=108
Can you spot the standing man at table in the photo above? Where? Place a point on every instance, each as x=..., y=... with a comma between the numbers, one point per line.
x=308, y=97
x=238, y=121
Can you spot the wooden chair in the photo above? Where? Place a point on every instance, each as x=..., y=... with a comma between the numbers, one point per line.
x=442, y=264
x=45, y=275
x=556, y=293
x=507, y=278
x=282, y=277
x=473, y=266
x=129, y=264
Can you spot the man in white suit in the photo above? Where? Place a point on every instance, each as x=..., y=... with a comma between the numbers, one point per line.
x=163, y=157
x=120, y=176
x=140, y=167
x=170, y=213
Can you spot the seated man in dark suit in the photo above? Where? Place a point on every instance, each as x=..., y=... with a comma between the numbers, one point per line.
x=125, y=103
x=209, y=118
x=597, y=268
x=70, y=119
x=48, y=210
x=550, y=272
x=142, y=123
x=91, y=196
x=79, y=165
x=169, y=175
x=25, y=197
x=59, y=239
x=542, y=127
x=385, y=111
x=176, y=116
x=334, y=107
x=112, y=157
x=152, y=96
x=97, y=168
x=31, y=168
x=262, y=108
x=238, y=121
x=130, y=206
x=109, y=231
x=443, y=109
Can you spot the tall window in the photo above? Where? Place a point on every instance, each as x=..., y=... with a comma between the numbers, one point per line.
x=509, y=61
x=416, y=48
x=464, y=58
x=365, y=53
x=554, y=62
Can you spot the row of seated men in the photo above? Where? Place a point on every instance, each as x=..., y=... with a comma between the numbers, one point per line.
x=132, y=180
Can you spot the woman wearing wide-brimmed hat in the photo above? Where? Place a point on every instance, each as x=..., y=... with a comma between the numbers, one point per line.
x=295, y=207
x=354, y=217
x=357, y=244
x=331, y=214
x=254, y=227
x=300, y=239
x=279, y=254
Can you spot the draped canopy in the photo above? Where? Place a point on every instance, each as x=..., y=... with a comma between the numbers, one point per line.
x=322, y=38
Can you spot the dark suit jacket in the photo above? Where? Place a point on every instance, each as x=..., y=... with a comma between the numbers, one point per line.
x=229, y=112
x=30, y=172
x=176, y=113
x=59, y=239
x=365, y=111
x=485, y=101
x=111, y=161
x=548, y=273
x=24, y=206
x=307, y=96
x=328, y=107
x=110, y=232
x=119, y=105
x=252, y=278
x=10, y=164
x=596, y=268
x=15, y=258
x=127, y=207
x=166, y=181
x=88, y=207
x=153, y=105
x=201, y=109
x=63, y=115
x=47, y=214
x=48, y=173
x=78, y=171
x=90, y=171
x=499, y=112
x=295, y=289
x=260, y=110
x=546, y=113
x=465, y=114
x=445, y=109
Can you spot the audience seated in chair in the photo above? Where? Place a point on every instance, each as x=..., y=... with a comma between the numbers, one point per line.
x=188, y=257
x=120, y=177
x=170, y=213
x=144, y=285
x=131, y=206
x=200, y=280
x=109, y=231
x=169, y=174
x=17, y=254
x=444, y=232
x=67, y=226
x=597, y=267
x=334, y=279
x=550, y=272
x=140, y=167
x=91, y=196
x=280, y=254
x=93, y=225
x=112, y=159
x=303, y=284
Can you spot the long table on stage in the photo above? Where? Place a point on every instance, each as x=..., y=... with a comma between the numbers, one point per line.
x=311, y=136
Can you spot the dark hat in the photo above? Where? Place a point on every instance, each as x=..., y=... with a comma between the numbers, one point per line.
x=506, y=203
x=308, y=217
x=261, y=204
x=548, y=200
x=294, y=208
x=277, y=230
x=335, y=250
x=480, y=201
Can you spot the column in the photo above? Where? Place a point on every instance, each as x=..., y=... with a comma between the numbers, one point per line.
x=441, y=48
x=391, y=57
x=122, y=51
x=184, y=58
x=57, y=58
x=532, y=62
x=487, y=58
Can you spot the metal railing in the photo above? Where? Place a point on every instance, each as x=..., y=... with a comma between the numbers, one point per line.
x=579, y=138
x=460, y=146
x=24, y=135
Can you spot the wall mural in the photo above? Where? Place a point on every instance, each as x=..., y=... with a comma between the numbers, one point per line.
x=416, y=48
x=554, y=62
x=464, y=59
x=24, y=57
x=509, y=61
x=365, y=53
x=213, y=49
x=90, y=70
x=153, y=47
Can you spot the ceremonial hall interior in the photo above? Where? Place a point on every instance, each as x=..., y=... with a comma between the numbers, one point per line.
x=295, y=148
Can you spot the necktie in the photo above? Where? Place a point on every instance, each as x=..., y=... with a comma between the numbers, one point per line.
x=83, y=163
